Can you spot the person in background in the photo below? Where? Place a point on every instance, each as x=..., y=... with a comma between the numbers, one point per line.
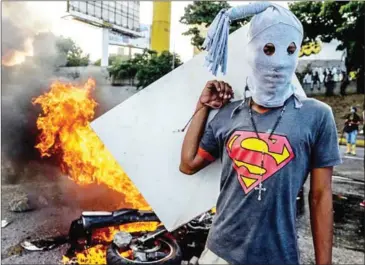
x=344, y=83
x=329, y=84
x=316, y=81
x=321, y=75
x=352, y=123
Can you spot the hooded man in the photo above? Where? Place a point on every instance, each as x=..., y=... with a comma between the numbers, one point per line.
x=268, y=144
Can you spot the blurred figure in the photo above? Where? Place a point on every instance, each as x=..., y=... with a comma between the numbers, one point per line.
x=352, y=123
x=307, y=80
x=321, y=75
x=336, y=77
x=344, y=83
x=316, y=81
x=329, y=84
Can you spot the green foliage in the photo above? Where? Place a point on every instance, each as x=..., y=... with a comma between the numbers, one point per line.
x=72, y=51
x=203, y=13
x=146, y=67
x=156, y=66
x=112, y=58
x=196, y=40
x=335, y=20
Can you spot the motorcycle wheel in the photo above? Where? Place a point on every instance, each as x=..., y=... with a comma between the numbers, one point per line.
x=113, y=256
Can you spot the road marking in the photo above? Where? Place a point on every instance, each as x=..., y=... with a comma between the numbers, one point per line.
x=344, y=179
x=354, y=157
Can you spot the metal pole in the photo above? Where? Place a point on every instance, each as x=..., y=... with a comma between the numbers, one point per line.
x=105, y=48
x=161, y=22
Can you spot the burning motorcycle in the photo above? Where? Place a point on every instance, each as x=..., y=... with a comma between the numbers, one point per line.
x=138, y=247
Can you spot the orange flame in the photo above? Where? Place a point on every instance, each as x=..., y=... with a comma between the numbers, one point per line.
x=93, y=255
x=97, y=254
x=107, y=234
x=65, y=130
x=14, y=57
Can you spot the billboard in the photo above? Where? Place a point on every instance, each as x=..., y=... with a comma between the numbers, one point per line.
x=143, y=42
x=119, y=16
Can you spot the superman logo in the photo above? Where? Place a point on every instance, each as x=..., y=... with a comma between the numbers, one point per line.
x=247, y=151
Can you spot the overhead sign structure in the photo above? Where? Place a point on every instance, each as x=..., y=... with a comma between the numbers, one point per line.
x=120, y=17
x=142, y=133
x=143, y=42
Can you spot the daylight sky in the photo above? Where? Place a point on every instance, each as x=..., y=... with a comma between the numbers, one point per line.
x=89, y=37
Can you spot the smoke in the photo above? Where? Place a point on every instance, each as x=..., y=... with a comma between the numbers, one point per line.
x=21, y=83
x=18, y=24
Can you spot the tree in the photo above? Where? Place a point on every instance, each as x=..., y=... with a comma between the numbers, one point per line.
x=112, y=58
x=343, y=21
x=72, y=51
x=155, y=67
x=203, y=13
x=146, y=67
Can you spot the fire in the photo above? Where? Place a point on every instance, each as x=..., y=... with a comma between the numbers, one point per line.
x=14, y=57
x=93, y=255
x=107, y=234
x=65, y=130
x=97, y=254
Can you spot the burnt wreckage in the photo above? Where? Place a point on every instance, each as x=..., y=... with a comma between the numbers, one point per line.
x=157, y=247
x=161, y=246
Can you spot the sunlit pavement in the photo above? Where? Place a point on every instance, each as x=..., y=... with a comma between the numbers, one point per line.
x=352, y=166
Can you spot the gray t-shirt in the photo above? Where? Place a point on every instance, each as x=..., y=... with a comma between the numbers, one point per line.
x=251, y=231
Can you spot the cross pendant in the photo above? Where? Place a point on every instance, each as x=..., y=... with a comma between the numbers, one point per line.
x=260, y=188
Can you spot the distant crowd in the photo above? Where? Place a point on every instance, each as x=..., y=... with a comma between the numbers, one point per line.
x=320, y=76
x=317, y=76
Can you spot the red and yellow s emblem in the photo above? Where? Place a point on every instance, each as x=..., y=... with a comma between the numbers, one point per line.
x=245, y=150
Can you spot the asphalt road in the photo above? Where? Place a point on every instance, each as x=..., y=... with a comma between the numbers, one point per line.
x=63, y=201
x=352, y=166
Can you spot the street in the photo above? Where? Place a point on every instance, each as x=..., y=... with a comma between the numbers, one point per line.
x=63, y=201
x=352, y=166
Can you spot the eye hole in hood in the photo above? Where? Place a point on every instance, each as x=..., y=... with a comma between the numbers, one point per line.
x=269, y=49
x=292, y=48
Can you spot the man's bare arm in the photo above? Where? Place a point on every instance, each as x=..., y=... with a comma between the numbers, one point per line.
x=321, y=213
x=190, y=161
x=215, y=95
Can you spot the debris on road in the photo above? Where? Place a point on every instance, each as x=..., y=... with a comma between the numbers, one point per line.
x=4, y=223
x=30, y=246
x=44, y=244
x=21, y=204
x=42, y=201
x=194, y=261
